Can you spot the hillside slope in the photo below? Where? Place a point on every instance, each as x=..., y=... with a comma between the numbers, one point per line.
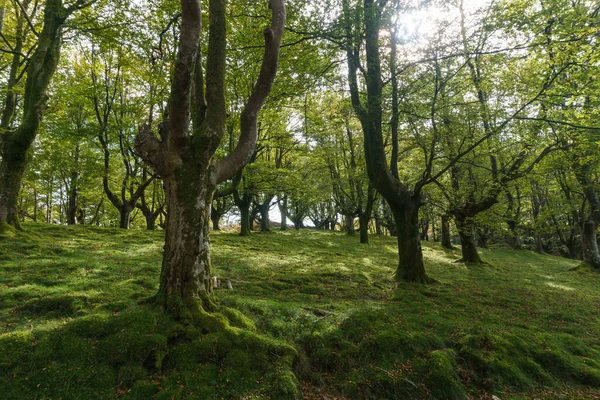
x=75, y=324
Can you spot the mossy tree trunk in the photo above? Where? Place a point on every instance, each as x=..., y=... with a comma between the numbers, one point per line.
x=125, y=215
x=155, y=207
x=183, y=156
x=185, y=275
x=245, y=228
x=467, y=239
x=446, y=241
x=411, y=267
x=364, y=213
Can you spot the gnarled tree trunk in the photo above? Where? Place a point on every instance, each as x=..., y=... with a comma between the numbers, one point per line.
x=467, y=239
x=184, y=156
x=185, y=274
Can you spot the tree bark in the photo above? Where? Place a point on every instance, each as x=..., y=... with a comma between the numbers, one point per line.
x=263, y=208
x=125, y=215
x=283, y=211
x=185, y=275
x=17, y=143
x=410, y=267
x=74, y=190
x=245, y=227
x=378, y=226
x=467, y=240
x=216, y=219
x=446, y=241
x=349, y=224
x=363, y=221
x=591, y=255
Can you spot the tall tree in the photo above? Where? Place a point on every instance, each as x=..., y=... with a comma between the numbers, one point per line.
x=184, y=155
x=16, y=143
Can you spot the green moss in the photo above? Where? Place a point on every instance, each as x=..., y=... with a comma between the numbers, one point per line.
x=60, y=305
x=13, y=345
x=129, y=374
x=238, y=319
x=441, y=375
x=143, y=390
x=71, y=295
x=7, y=231
x=284, y=385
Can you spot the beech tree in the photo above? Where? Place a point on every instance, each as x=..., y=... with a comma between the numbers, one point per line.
x=184, y=154
x=15, y=142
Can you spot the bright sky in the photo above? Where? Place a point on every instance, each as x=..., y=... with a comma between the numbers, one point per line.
x=421, y=24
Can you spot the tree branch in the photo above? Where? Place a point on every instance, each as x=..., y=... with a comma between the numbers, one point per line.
x=179, y=102
x=230, y=165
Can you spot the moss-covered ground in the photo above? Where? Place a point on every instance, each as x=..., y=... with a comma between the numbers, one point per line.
x=311, y=311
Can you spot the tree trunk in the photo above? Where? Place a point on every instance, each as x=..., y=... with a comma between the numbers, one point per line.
x=349, y=224
x=425, y=229
x=12, y=169
x=74, y=190
x=265, y=225
x=185, y=277
x=364, y=228
x=283, y=211
x=216, y=219
x=410, y=267
x=467, y=240
x=515, y=238
x=446, y=241
x=35, y=205
x=390, y=224
x=297, y=223
x=49, y=201
x=125, y=216
x=482, y=236
x=591, y=255
x=150, y=221
x=378, y=226
x=16, y=143
x=245, y=229
x=539, y=245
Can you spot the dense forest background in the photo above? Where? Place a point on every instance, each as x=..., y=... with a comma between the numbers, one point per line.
x=489, y=113
x=414, y=136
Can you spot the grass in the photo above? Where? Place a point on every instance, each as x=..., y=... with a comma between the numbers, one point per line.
x=73, y=321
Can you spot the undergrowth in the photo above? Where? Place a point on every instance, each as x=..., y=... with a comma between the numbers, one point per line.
x=311, y=310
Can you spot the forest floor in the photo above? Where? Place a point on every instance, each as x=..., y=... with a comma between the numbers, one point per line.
x=74, y=324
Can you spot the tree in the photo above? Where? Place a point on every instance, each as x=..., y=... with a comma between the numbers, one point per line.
x=16, y=143
x=184, y=156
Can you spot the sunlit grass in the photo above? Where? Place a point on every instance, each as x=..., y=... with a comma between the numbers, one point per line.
x=73, y=319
